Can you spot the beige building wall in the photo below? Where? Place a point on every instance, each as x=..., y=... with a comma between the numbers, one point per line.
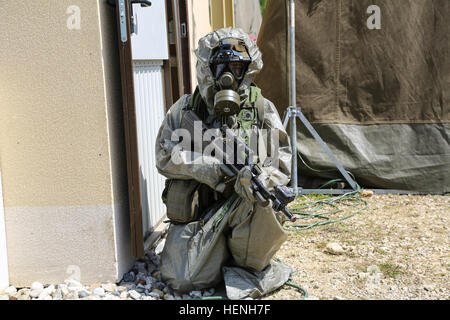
x=199, y=26
x=61, y=142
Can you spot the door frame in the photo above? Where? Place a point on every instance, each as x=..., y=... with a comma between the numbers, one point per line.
x=130, y=128
x=178, y=68
x=176, y=75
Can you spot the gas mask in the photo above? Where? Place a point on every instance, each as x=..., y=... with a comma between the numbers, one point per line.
x=229, y=62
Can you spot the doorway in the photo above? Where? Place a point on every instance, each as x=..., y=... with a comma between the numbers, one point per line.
x=155, y=72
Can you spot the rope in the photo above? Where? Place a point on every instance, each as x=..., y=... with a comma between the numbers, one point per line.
x=314, y=210
x=299, y=289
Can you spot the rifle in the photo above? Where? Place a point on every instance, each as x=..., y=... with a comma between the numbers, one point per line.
x=281, y=196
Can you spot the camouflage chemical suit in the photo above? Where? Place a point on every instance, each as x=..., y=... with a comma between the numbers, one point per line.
x=239, y=238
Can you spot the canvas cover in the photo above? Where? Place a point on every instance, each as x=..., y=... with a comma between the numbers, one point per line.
x=380, y=98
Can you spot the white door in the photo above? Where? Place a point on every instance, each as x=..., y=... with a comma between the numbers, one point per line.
x=150, y=48
x=149, y=93
x=149, y=40
x=4, y=280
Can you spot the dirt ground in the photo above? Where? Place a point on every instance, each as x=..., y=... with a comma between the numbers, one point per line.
x=399, y=248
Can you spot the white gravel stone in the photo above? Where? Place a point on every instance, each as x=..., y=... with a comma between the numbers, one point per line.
x=4, y=297
x=74, y=290
x=148, y=287
x=83, y=293
x=140, y=288
x=10, y=290
x=128, y=277
x=24, y=297
x=195, y=294
x=109, y=287
x=140, y=277
x=44, y=296
x=334, y=248
x=71, y=296
x=129, y=286
x=150, y=280
x=124, y=295
x=65, y=292
x=158, y=292
x=24, y=291
x=50, y=289
x=37, y=286
x=99, y=292
x=57, y=295
x=121, y=289
x=35, y=293
x=135, y=295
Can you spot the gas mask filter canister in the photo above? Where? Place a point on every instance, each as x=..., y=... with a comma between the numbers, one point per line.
x=227, y=101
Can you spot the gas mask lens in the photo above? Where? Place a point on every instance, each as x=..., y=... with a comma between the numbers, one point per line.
x=237, y=68
x=218, y=69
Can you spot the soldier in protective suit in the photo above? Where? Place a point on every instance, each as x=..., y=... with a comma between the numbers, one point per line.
x=218, y=230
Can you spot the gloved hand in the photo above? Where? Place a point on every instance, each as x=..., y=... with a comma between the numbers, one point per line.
x=225, y=174
x=243, y=185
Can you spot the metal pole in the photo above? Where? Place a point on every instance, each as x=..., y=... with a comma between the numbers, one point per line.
x=293, y=93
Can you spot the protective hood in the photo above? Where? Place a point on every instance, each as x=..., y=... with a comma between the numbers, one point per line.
x=205, y=77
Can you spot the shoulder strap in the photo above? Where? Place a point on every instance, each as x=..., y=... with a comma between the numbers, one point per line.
x=258, y=101
x=194, y=100
x=197, y=104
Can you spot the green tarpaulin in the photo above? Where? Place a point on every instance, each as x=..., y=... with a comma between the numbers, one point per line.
x=380, y=98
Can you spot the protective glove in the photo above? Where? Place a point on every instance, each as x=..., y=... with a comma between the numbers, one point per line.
x=243, y=185
x=225, y=175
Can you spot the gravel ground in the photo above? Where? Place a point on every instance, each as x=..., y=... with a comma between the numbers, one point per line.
x=143, y=282
x=396, y=249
